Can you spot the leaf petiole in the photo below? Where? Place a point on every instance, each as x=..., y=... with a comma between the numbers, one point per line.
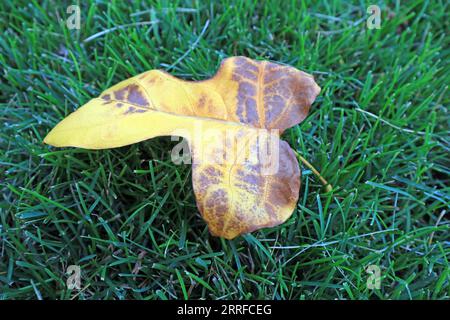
x=328, y=186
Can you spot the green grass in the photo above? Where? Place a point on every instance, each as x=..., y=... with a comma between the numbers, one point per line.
x=378, y=132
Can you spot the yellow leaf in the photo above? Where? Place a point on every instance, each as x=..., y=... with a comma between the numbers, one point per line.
x=244, y=177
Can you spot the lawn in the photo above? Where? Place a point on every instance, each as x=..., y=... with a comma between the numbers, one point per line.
x=378, y=132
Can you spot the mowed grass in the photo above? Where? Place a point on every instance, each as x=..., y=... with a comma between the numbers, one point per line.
x=378, y=132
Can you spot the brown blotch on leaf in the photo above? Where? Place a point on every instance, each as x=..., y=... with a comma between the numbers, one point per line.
x=135, y=96
x=130, y=110
x=201, y=102
x=120, y=94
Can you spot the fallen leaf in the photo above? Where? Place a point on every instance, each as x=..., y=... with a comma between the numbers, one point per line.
x=244, y=177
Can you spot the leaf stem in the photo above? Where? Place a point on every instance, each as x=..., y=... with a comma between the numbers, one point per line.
x=328, y=187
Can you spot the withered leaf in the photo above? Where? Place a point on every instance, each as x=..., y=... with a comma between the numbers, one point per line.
x=244, y=177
